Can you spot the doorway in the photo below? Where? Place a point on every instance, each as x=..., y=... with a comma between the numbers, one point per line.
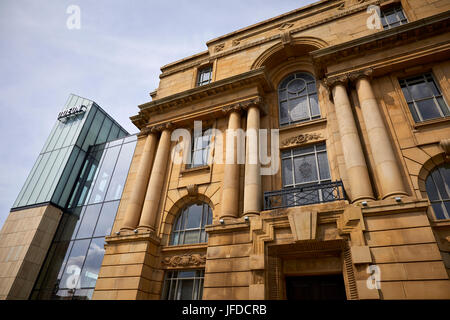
x=320, y=287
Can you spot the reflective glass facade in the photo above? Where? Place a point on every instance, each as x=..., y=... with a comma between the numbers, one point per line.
x=55, y=171
x=71, y=268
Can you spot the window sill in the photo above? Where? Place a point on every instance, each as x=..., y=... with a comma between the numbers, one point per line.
x=424, y=124
x=303, y=124
x=440, y=223
x=183, y=247
x=195, y=169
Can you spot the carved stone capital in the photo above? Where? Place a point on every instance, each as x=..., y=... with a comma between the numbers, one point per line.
x=365, y=73
x=161, y=127
x=244, y=105
x=331, y=82
x=144, y=132
x=185, y=260
x=445, y=145
x=300, y=139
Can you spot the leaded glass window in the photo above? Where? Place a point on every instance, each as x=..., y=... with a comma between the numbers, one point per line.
x=424, y=98
x=393, y=17
x=183, y=285
x=204, y=76
x=297, y=97
x=189, y=226
x=438, y=190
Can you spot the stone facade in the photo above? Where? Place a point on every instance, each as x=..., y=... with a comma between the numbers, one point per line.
x=374, y=146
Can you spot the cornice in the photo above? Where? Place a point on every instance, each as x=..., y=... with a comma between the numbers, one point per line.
x=254, y=77
x=381, y=40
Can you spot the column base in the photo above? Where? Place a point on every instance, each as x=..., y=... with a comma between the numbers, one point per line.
x=361, y=199
x=395, y=194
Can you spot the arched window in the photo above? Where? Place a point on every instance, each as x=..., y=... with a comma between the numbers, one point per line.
x=189, y=226
x=438, y=190
x=297, y=97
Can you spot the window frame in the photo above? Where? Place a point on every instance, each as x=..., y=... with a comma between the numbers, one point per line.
x=205, y=150
x=385, y=11
x=172, y=282
x=287, y=99
x=426, y=77
x=178, y=236
x=200, y=72
x=292, y=156
x=440, y=201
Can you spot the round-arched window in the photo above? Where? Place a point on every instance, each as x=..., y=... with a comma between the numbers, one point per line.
x=189, y=226
x=438, y=190
x=297, y=98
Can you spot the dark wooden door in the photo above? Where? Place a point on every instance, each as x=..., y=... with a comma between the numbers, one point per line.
x=327, y=287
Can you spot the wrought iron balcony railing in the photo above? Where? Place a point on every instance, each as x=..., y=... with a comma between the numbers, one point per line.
x=300, y=196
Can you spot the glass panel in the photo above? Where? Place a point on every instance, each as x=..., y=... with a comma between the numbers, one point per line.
x=106, y=220
x=439, y=183
x=54, y=175
x=194, y=216
x=191, y=237
x=78, y=222
x=120, y=172
x=104, y=132
x=438, y=210
x=93, y=130
x=71, y=276
x=312, y=87
x=93, y=263
x=284, y=113
x=420, y=91
x=104, y=174
x=443, y=106
x=287, y=172
x=113, y=133
x=314, y=105
x=83, y=294
x=298, y=109
x=414, y=114
x=303, y=150
x=89, y=220
x=428, y=109
x=406, y=94
x=185, y=288
x=431, y=189
x=27, y=184
x=43, y=176
x=323, y=166
x=305, y=169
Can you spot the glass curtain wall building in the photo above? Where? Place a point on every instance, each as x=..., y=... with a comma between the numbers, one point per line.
x=81, y=124
x=71, y=268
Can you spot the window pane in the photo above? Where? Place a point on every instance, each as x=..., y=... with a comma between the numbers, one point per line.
x=414, y=114
x=93, y=263
x=191, y=237
x=314, y=105
x=104, y=174
x=406, y=94
x=106, y=220
x=305, y=169
x=185, y=289
x=431, y=189
x=438, y=210
x=287, y=172
x=120, y=172
x=323, y=166
x=298, y=109
x=420, y=91
x=284, y=113
x=194, y=216
x=73, y=269
x=428, y=109
x=438, y=179
x=89, y=220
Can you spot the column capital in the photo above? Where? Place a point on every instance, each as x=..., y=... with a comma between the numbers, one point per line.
x=365, y=73
x=240, y=106
x=161, y=127
x=331, y=82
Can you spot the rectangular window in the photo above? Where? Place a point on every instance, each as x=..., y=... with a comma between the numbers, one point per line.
x=424, y=98
x=392, y=17
x=305, y=165
x=204, y=76
x=183, y=285
x=200, y=149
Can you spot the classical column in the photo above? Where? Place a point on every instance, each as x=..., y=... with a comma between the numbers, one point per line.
x=134, y=206
x=252, y=187
x=383, y=155
x=230, y=189
x=155, y=185
x=355, y=163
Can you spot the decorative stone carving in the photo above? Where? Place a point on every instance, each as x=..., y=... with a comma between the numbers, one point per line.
x=300, y=139
x=235, y=42
x=243, y=105
x=330, y=82
x=353, y=76
x=445, y=144
x=285, y=26
x=185, y=260
x=161, y=127
x=219, y=47
x=192, y=190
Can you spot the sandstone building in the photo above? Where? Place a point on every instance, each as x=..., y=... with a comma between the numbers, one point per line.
x=359, y=207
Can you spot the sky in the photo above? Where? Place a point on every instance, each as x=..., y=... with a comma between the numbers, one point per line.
x=114, y=58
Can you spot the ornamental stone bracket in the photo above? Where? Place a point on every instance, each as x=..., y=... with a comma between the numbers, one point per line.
x=352, y=223
x=300, y=139
x=303, y=225
x=185, y=260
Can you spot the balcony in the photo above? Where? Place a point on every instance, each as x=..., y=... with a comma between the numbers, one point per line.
x=300, y=196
